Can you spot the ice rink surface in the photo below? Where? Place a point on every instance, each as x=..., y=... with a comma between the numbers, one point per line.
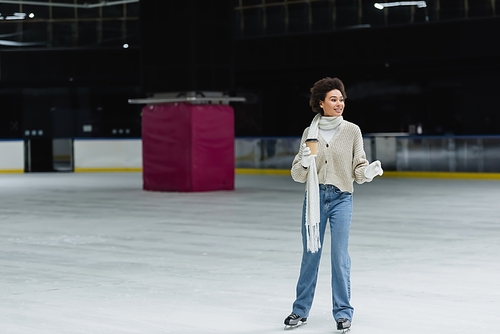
x=93, y=253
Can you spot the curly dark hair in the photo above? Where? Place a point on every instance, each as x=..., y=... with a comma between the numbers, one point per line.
x=321, y=88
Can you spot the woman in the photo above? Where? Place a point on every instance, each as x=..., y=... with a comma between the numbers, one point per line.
x=329, y=175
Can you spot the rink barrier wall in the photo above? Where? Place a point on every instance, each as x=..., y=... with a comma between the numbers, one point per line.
x=398, y=152
x=107, y=155
x=471, y=157
x=263, y=171
x=12, y=156
x=11, y=171
x=437, y=175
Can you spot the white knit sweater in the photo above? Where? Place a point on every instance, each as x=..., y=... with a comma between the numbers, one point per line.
x=339, y=162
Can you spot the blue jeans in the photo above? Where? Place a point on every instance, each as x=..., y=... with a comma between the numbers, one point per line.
x=336, y=206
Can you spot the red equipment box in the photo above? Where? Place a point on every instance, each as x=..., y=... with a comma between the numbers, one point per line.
x=188, y=147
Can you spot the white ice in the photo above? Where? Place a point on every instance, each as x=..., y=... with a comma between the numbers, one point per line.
x=93, y=253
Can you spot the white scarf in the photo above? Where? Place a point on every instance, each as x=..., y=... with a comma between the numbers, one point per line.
x=312, y=186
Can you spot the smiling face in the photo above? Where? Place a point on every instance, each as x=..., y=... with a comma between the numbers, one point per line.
x=333, y=105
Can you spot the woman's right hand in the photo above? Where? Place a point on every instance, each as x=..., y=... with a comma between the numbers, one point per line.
x=307, y=158
x=374, y=169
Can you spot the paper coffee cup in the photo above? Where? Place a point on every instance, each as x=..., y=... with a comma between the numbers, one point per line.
x=313, y=145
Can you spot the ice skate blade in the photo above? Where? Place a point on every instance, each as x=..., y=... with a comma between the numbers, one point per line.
x=345, y=331
x=289, y=327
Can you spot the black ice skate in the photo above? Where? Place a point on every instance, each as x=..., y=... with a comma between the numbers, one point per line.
x=294, y=321
x=343, y=325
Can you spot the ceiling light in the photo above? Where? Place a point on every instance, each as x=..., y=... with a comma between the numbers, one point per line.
x=16, y=16
x=419, y=4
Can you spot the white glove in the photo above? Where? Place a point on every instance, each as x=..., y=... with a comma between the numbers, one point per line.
x=307, y=158
x=374, y=169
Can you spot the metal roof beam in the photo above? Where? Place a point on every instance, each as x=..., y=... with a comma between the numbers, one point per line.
x=58, y=4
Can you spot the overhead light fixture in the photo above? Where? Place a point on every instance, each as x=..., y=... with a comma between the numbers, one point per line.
x=16, y=16
x=419, y=4
x=13, y=43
